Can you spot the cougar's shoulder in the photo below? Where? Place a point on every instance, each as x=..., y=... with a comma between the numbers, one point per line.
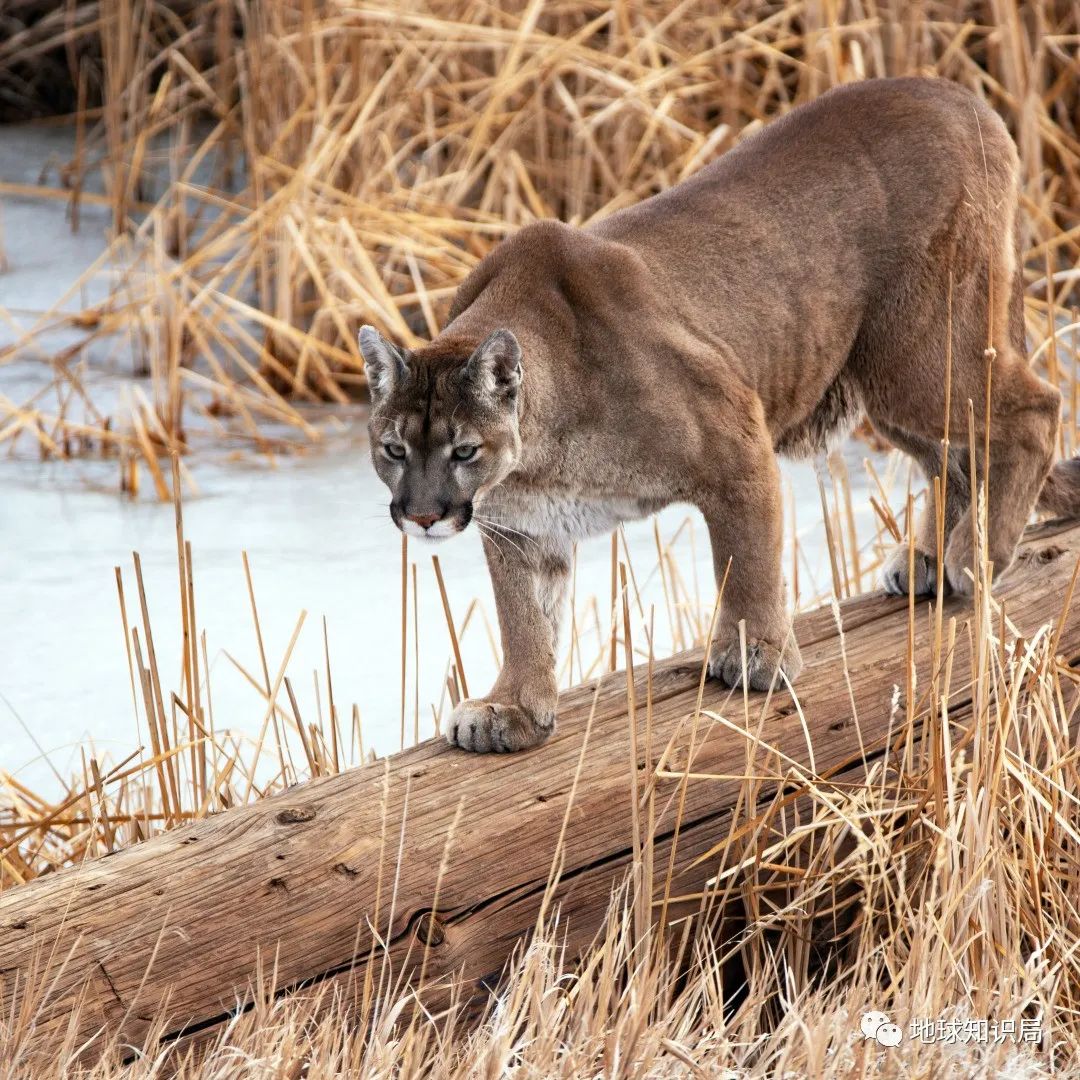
x=549, y=262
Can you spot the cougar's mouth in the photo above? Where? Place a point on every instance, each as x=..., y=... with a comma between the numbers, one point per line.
x=433, y=526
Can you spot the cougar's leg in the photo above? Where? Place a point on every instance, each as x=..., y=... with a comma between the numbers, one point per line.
x=529, y=577
x=1024, y=418
x=743, y=511
x=950, y=307
x=928, y=455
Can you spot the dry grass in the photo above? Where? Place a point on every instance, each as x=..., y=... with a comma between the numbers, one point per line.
x=279, y=172
x=944, y=889
x=363, y=158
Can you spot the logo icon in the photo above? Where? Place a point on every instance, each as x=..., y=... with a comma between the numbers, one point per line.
x=876, y=1025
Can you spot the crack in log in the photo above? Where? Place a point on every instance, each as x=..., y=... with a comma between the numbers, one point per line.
x=112, y=985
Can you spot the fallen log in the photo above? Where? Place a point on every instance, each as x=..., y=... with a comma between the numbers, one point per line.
x=305, y=880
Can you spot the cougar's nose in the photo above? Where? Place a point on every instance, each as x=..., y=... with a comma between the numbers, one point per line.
x=425, y=521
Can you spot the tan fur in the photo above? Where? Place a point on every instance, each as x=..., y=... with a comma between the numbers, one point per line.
x=667, y=352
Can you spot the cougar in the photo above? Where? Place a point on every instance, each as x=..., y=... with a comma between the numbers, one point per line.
x=669, y=351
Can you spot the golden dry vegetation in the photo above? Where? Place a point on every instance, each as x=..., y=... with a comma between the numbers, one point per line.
x=279, y=172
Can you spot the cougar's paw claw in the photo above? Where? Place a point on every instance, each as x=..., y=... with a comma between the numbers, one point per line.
x=489, y=727
x=762, y=660
x=894, y=576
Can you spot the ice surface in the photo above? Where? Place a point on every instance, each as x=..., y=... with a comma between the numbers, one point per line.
x=42, y=257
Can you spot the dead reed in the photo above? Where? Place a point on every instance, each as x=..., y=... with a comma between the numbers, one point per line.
x=364, y=159
x=942, y=892
x=282, y=171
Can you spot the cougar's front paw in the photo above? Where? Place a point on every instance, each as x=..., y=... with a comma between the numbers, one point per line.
x=762, y=660
x=491, y=727
x=895, y=577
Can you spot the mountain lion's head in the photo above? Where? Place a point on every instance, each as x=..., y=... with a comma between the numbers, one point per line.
x=444, y=425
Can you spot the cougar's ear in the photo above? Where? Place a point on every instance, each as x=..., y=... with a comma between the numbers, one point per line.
x=384, y=364
x=495, y=367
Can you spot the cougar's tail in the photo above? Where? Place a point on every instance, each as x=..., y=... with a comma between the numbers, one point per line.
x=1060, y=495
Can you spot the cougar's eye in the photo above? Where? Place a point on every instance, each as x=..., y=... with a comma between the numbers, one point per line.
x=394, y=450
x=464, y=453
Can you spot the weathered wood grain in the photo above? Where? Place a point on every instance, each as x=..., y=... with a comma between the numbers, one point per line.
x=180, y=922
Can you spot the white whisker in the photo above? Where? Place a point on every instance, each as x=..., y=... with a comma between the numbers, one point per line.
x=491, y=532
x=492, y=524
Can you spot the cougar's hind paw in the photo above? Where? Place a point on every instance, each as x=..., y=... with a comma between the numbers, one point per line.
x=895, y=577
